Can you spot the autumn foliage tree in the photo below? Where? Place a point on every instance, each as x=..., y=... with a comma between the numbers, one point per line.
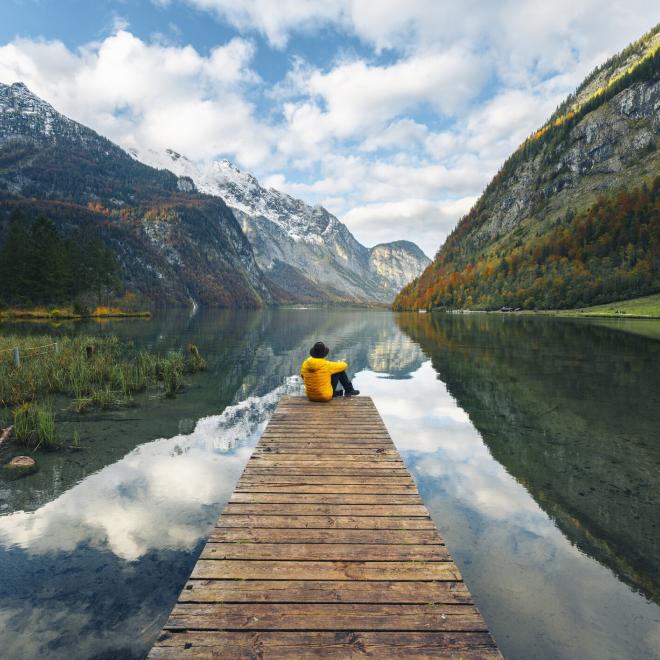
x=609, y=252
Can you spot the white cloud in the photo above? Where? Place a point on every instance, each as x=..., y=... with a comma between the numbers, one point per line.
x=423, y=221
x=401, y=134
x=275, y=20
x=411, y=131
x=355, y=98
x=150, y=94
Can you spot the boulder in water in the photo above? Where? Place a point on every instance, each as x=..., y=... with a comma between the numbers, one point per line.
x=19, y=466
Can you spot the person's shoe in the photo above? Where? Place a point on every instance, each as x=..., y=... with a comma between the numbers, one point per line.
x=337, y=393
x=351, y=392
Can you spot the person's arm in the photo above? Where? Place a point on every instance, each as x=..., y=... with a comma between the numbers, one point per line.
x=336, y=367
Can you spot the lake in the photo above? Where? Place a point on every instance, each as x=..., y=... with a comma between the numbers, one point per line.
x=535, y=444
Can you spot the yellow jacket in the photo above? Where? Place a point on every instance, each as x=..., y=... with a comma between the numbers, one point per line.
x=316, y=373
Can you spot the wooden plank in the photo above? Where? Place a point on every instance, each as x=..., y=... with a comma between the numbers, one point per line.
x=329, y=448
x=232, y=569
x=324, y=498
x=382, y=453
x=356, y=434
x=325, y=522
x=326, y=472
x=325, y=536
x=324, y=591
x=324, y=616
x=342, y=644
x=334, y=489
x=348, y=460
x=314, y=455
x=330, y=443
x=247, y=509
x=321, y=552
x=325, y=549
x=335, y=480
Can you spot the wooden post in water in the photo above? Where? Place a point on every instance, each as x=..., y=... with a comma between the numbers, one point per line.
x=17, y=357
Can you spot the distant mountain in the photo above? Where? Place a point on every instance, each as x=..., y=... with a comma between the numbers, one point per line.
x=176, y=241
x=572, y=217
x=174, y=245
x=305, y=251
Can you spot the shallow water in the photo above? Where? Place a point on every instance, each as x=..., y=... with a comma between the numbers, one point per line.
x=534, y=443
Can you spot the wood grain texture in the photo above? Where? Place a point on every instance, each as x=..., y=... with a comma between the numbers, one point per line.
x=325, y=536
x=325, y=549
x=322, y=552
x=324, y=522
x=324, y=591
x=340, y=644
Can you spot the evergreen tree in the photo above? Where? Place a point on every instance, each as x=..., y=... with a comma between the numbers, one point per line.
x=37, y=266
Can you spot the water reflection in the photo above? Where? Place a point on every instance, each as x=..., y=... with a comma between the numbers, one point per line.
x=95, y=547
x=249, y=354
x=573, y=412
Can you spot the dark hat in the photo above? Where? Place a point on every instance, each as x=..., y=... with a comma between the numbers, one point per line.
x=319, y=350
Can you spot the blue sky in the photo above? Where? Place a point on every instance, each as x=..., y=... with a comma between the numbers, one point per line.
x=392, y=114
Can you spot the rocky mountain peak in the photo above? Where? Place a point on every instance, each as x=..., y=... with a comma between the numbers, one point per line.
x=295, y=242
x=21, y=110
x=305, y=253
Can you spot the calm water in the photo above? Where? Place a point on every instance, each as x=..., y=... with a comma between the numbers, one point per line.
x=535, y=444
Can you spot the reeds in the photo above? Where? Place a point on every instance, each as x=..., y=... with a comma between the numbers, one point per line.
x=96, y=373
x=93, y=371
x=34, y=425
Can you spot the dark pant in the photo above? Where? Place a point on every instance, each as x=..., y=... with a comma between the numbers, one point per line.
x=341, y=377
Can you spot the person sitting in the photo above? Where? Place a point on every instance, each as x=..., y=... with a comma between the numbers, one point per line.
x=322, y=376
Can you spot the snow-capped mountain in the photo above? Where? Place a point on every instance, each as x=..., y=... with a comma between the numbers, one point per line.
x=222, y=240
x=304, y=250
x=174, y=245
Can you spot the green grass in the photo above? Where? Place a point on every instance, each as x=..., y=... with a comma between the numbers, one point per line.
x=647, y=307
x=34, y=426
x=95, y=373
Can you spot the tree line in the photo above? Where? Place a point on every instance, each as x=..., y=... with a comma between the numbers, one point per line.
x=609, y=252
x=39, y=266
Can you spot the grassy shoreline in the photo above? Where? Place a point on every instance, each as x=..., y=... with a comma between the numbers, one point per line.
x=69, y=314
x=646, y=307
x=91, y=372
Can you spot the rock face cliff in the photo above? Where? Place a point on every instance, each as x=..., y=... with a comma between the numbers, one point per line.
x=174, y=245
x=305, y=251
x=601, y=141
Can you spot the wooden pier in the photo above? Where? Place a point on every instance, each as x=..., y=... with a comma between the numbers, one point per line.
x=325, y=549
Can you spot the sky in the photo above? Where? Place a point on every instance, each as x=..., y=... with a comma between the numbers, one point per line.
x=393, y=114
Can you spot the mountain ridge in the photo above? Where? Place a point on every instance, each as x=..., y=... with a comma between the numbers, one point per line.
x=175, y=243
x=601, y=143
x=152, y=220
x=297, y=244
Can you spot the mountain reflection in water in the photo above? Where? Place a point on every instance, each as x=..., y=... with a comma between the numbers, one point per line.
x=572, y=411
x=529, y=439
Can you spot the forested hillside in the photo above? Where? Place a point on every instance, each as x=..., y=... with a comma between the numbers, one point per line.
x=572, y=217
x=607, y=252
